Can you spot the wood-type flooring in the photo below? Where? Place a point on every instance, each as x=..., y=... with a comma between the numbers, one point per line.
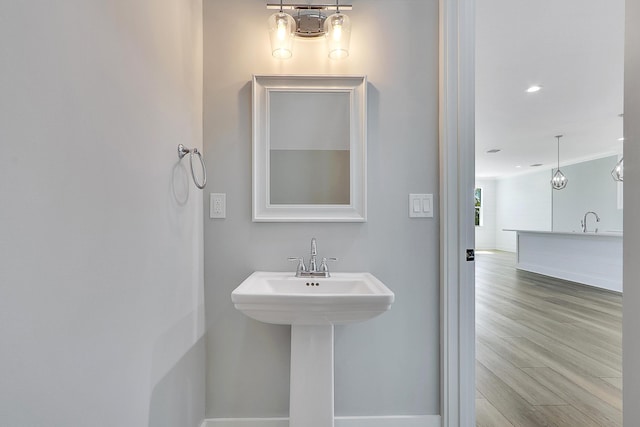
x=548, y=351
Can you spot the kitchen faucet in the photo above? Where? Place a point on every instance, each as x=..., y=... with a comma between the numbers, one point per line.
x=313, y=270
x=583, y=223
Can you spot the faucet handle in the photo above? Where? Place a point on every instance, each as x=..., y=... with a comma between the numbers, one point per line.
x=300, y=268
x=324, y=268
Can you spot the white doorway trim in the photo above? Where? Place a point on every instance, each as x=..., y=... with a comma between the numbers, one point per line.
x=457, y=170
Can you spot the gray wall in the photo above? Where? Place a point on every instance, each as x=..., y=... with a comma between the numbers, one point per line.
x=486, y=233
x=522, y=202
x=101, y=296
x=590, y=188
x=388, y=365
x=631, y=314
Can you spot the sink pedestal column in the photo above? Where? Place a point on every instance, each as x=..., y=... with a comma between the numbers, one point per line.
x=311, y=382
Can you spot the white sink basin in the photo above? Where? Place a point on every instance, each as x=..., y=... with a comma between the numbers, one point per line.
x=282, y=298
x=311, y=306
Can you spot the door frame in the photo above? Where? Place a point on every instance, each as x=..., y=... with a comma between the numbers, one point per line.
x=457, y=233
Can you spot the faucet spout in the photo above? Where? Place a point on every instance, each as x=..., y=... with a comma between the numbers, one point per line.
x=313, y=265
x=583, y=223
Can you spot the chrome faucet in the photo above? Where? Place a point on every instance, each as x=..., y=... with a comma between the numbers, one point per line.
x=583, y=223
x=313, y=270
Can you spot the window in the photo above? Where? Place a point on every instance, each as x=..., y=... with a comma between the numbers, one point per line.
x=478, y=206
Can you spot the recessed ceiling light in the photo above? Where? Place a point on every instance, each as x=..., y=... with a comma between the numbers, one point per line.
x=518, y=167
x=493, y=151
x=535, y=165
x=534, y=88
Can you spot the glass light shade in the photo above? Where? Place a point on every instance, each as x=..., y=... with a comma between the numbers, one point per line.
x=337, y=28
x=559, y=181
x=282, y=28
x=618, y=171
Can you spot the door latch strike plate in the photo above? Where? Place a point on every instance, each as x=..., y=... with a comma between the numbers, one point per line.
x=471, y=255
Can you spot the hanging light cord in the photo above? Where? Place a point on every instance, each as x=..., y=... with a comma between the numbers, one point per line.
x=558, y=151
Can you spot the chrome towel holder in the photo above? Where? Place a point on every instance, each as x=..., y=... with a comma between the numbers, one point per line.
x=182, y=151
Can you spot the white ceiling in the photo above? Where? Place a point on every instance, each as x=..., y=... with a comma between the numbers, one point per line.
x=575, y=50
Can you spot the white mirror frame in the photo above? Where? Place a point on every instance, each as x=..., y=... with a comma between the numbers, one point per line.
x=263, y=210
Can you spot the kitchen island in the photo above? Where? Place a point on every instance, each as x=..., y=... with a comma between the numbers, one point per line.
x=593, y=259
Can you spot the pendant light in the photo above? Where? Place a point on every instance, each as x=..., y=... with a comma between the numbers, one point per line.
x=559, y=181
x=337, y=28
x=618, y=170
x=282, y=28
x=617, y=173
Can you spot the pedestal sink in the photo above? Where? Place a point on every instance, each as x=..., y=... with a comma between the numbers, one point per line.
x=311, y=306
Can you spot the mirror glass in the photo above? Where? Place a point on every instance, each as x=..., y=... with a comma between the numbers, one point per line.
x=309, y=148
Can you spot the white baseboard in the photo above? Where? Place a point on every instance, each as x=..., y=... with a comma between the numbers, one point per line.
x=383, y=421
x=246, y=422
x=390, y=421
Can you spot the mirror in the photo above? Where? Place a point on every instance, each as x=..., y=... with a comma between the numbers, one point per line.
x=309, y=148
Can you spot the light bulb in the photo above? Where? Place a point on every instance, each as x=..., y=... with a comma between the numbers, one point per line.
x=337, y=31
x=282, y=29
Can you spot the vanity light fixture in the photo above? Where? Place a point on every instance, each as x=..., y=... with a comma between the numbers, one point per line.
x=559, y=181
x=309, y=21
x=281, y=30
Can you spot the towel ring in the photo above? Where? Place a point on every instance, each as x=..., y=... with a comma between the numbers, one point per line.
x=182, y=151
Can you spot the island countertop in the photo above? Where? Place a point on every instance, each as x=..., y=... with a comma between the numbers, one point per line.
x=593, y=259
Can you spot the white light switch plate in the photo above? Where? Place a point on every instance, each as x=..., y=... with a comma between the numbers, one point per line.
x=217, y=205
x=421, y=205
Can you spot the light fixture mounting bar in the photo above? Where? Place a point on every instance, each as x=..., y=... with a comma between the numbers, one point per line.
x=296, y=6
